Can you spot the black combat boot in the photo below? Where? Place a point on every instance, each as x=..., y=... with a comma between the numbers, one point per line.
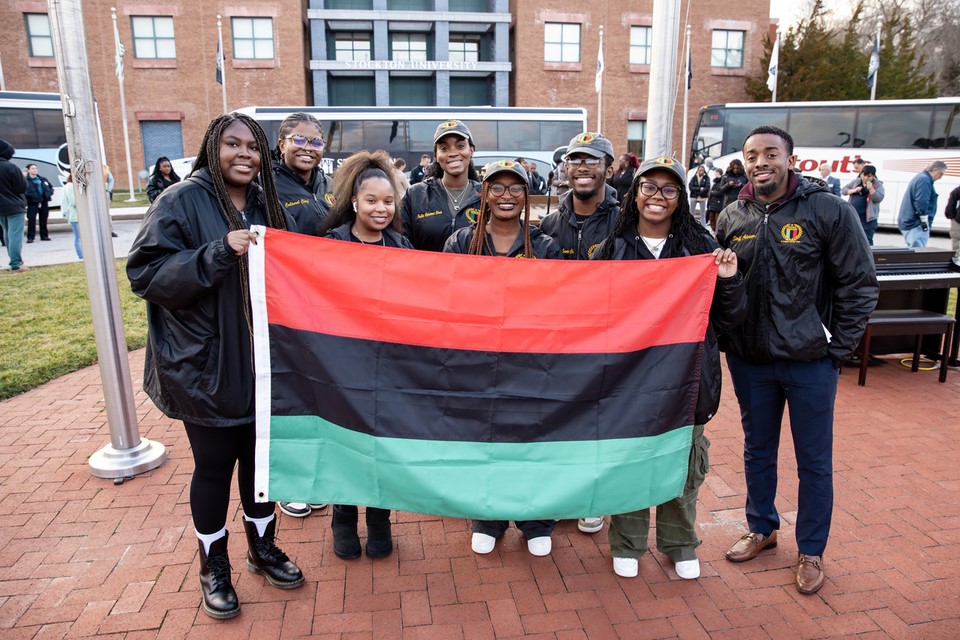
x=346, y=542
x=266, y=558
x=379, y=540
x=219, y=598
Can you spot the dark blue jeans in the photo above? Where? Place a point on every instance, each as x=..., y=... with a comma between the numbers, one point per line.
x=809, y=390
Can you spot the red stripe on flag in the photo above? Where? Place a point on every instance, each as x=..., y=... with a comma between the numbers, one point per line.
x=479, y=303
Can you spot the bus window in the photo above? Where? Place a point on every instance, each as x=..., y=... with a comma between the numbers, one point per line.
x=19, y=128
x=743, y=121
x=50, y=130
x=889, y=127
x=809, y=127
x=946, y=127
x=344, y=135
x=557, y=134
x=421, y=136
x=518, y=135
x=388, y=135
x=484, y=134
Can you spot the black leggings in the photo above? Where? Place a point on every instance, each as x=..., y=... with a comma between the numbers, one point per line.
x=215, y=452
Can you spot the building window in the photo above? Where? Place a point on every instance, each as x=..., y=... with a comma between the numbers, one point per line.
x=153, y=37
x=464, y=48
x=409, y=5
x=561, y=42
x=727, y=49
x=351, y=46
x=640, y=40
x=408, y=46
x=469, y=92
x=410, y=92
x=636, y=136
x=252, y=38
x=38, y=35
x=349, y=91
x=161, y=138
x=469, y=5
x=349, y=4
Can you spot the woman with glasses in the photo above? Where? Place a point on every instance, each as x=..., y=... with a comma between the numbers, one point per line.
x=302, y=187
x=500, y=232
x=447, y=199
x=656, y=223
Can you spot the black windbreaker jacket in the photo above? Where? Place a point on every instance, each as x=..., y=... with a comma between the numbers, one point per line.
x=543, y=245
x=199, y=366
x=576, y=244
x=427, y=220
x=307, y=204
x=393, y=239
x=13, y=186
x=729, y=308
x=807, y=267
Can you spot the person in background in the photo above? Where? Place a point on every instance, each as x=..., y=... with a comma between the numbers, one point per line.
x=715, y=199
x=699, y=193
x=447, y=198
x=304, y=193
x=952, y=212
x=811, y=287
x=499, y=231
x=874, y=194
x=538, y=186
x=733, y=180
x=420, y=171
x=13, y=205
x=68, y=207
x=919, y=205
x=833, y=183
x=39, y=192
x=108, y=186
x=851, y=189
x=622, y=176
x=162, y=177
x=364, y=212
x=656, y=222
x=402, y=182
x=189, y=262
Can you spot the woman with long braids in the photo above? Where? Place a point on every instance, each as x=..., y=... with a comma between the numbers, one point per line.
x=654, y=223
x=500, y=232
x=364, y=212
x=447, y=198
x=189, y=262
x=302, y=186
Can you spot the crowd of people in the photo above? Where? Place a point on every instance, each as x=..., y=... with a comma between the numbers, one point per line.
x=795, y=287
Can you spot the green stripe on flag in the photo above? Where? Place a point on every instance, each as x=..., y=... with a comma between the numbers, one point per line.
x=314, y=460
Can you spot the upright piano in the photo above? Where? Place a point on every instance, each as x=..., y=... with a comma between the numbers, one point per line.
x=914, y=279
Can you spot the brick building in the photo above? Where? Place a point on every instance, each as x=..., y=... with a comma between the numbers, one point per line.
x=555, y=45
x=169, y=66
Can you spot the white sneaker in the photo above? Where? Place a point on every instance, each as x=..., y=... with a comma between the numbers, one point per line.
x=688, y=569
x=318, y=506
x=540, y=546
x=482, y=543
x=626, y=567
x=296, y=509
x=591, y=524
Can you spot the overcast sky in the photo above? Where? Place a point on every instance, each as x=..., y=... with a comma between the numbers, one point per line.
x=791, y=12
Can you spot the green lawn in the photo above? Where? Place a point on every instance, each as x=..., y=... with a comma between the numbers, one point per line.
x=46, y=328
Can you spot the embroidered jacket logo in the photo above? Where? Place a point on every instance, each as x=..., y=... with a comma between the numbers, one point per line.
x=329, y=199
x=791, y=232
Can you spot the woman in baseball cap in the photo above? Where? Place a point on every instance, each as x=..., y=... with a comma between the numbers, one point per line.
x=655, y=222
x=502, y=199
x=447, y=199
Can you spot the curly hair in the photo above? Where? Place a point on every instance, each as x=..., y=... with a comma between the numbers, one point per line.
x=685, y=232
x=352, y=174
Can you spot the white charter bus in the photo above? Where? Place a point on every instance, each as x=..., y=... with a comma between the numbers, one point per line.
x=899, y=137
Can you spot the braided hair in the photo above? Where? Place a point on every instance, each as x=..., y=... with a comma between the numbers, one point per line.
x=209, y=158
x=479, y=239
x=289, y=124
x=352, y=174
x=686, y=233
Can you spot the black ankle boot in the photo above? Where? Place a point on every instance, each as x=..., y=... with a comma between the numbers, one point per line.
x=266, y=558
x=346, y=542
x=379, y=539
x=219, y=598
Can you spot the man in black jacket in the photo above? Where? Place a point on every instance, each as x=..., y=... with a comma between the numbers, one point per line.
x=420, y=172
x=952, y=212
x=13, y=204
x=811, y=287
x=39, y=193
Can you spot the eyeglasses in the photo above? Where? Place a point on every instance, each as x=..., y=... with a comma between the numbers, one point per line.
x=669, y=191
x=302, y=142
x=515, y=190
x=590, y=162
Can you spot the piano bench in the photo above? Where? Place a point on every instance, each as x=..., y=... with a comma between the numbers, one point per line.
x=908, y=322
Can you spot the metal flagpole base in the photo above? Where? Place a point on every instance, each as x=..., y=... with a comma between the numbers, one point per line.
x=124, y=463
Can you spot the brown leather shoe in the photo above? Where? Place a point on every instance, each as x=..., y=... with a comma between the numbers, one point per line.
x=809, y=574
x=749, y=546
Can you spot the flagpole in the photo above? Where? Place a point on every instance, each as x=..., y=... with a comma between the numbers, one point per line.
x=876, y=74
x=123, y=102
x=686, y=95
x=223, y=66
x=600, y=84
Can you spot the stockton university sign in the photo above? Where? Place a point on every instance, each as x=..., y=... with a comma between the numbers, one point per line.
x=411, y=65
